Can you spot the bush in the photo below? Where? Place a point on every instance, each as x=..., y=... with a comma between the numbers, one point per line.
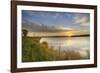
x=33, y=51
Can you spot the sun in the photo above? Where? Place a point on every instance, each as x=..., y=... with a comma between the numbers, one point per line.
x=70, y=34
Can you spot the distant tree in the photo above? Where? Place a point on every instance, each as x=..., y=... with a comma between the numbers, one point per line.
x=24, y=32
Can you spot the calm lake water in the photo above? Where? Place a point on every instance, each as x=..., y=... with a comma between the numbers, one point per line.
x=78, y=44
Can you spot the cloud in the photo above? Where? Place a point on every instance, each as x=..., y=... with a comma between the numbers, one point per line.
x=81, y=19
x=85, y=24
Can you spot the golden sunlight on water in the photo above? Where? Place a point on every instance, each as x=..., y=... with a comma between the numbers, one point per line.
x=79, y=44
x=69, y=42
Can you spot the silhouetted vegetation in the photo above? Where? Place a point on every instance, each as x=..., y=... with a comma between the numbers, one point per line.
x=24, y=32
x=32, y=51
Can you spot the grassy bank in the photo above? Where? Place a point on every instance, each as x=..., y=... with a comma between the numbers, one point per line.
x=33, y=51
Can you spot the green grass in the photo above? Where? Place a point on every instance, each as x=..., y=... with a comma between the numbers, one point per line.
x=33, y=51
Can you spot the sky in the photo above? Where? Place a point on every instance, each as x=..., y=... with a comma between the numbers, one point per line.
x=79, y=22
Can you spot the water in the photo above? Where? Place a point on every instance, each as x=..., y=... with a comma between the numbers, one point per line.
x=78, y=44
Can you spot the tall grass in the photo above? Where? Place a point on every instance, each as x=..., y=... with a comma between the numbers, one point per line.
x=33, y=51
